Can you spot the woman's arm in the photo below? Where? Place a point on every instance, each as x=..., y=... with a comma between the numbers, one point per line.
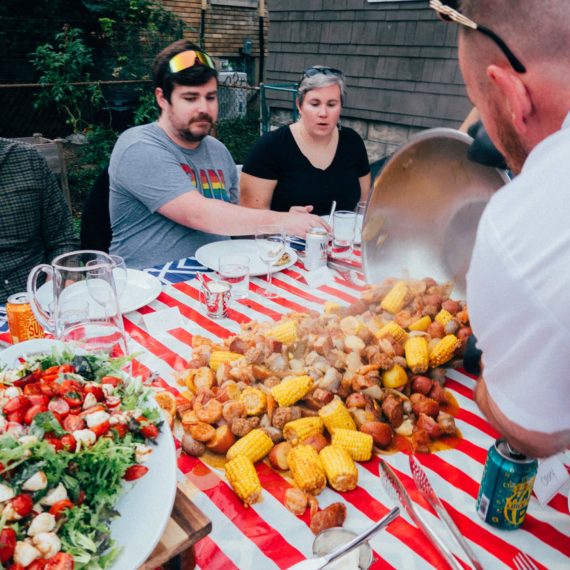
x=256, y=192
x=365, y=182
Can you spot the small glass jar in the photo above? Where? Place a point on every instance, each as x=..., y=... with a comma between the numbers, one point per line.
x=329, y=539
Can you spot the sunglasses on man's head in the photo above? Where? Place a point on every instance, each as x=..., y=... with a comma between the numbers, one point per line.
x=312, y=71
x=447, y=12
x=190, y=58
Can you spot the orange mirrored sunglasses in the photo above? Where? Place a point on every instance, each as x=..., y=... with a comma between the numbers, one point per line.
x=190, y=58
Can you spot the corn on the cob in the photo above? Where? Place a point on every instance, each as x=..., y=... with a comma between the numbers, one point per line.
x=339, y=466
x=254, y=400
x=330, y=307
x=302, y=428
x=307, y=469
x=291, y=389
x=244, y=480
x=396, y=298
x=421, y=324
x=417, y=356
x=443, y=350
x=394, y=330
x=358, y=444
x=285, y=332
x=396, y=377
x=220, y=356
x=255, y=445
x=443, y=317
x=335, y=415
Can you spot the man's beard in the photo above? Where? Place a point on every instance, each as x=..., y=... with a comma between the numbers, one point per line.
x=513, y=148
x=189, y=136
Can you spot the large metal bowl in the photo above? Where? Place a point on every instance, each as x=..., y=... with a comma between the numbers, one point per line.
x=422, y=215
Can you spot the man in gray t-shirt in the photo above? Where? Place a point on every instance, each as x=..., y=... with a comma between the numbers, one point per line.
x=174, y=187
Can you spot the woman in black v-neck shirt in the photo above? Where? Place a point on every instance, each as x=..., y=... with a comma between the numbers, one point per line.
x=311, y=162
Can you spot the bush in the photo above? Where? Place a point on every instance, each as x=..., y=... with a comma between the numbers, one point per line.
x=239, y=135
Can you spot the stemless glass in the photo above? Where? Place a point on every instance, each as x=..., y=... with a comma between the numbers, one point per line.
x=270, y=241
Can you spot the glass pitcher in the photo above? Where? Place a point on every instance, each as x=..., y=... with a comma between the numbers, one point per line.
x=78, y=304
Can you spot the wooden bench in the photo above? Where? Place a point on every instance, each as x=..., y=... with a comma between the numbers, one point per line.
x=52, y=151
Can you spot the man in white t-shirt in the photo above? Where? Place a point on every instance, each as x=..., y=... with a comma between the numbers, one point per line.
x=517, y=72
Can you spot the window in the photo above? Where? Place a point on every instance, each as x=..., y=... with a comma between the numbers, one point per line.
x=236, y=3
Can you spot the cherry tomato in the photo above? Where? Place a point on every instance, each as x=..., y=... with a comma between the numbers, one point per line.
x=16, y=404
x=48, y=388
x=16, y=567
x=135, y=472
x=60, y=406
x=31, y=390
x=92, y=410
x=100, y=429
x=51, y=371
x=17, y=417
x=150, y=431
x=68, y=442
x=96, y=390
x=38, y=399
x=37, y=564
x=55, y=442
x=81, y=498
x=57, y=508
x=73, y=422
x=73, y=398
x=113, y=380
x=32, y=412
x=120, y=429
x=61, y=561
x=22, y=504
x=7, y=544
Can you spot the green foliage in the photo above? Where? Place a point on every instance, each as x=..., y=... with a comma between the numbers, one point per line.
x=147, y=111
x=239, y=135
x=68, y=62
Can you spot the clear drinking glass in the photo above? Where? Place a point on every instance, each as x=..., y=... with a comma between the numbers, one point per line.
x=234, y=268
x=270, y=241
x=344, y=223
x=360, y=210
x=119, y=274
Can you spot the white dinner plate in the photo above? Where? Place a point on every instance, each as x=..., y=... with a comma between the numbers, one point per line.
x=141, y=289
x=357, y=229
x=146, y=504
x=209, y=254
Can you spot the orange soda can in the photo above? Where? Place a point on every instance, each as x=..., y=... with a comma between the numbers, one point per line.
x=21, y=320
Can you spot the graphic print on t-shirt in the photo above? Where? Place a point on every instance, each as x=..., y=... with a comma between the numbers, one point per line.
x=212, y=183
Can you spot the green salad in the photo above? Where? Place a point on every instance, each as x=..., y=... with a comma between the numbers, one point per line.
x=73, y=430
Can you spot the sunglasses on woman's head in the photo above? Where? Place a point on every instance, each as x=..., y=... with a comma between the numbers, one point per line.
x=188, y=59
x=312, y=71
x=447, y=11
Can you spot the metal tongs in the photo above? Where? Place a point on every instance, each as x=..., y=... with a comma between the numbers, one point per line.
x=398, y=492
x=427, y=491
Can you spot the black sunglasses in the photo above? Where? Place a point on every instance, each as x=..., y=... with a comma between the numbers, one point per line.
x=450, y=14
x=312, y=71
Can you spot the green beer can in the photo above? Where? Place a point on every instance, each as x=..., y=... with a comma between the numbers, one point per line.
x=506, y=487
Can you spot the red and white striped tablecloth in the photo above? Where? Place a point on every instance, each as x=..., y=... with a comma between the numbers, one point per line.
x=267, y=535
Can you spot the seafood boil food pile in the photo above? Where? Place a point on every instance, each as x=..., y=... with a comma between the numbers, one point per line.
x=314, y=392
x=72, y=431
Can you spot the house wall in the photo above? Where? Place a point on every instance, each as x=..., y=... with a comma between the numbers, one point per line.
x=227, y=24
x=400, y=63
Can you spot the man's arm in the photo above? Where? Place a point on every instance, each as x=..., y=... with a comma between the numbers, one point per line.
x=256, y=192
x=531, y=443
x=214, y=216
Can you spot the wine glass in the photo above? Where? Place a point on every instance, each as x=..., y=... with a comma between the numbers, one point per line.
x=270, y=242
x=119, y=274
